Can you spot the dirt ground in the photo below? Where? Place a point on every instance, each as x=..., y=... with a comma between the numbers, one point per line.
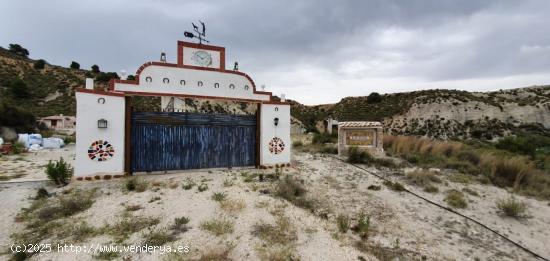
x=401, y=226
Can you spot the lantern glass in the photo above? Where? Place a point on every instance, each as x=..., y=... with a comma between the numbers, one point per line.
x=102, y=123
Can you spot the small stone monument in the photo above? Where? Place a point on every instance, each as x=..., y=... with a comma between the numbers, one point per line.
x=365, y=135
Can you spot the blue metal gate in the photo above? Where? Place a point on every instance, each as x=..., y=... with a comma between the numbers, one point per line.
x=176, y=141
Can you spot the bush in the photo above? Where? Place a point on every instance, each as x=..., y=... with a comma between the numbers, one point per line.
x=422, y=178
x=322, y=138
x=59, y=172
x=218, y=196
x=188, y=184
x=295, y=192
x=358, y=156
x=18, y=147
x=18, y=50
x=512, y=207
x=202, y=187
x=95, y=68
x=297, y=143
x=456, y=199
x=158, y=238
x=218, y=226
x=363, y=225
x=396, y=186
x=329, y=150
x=74, y=65
x=431, y=189
x=374, y=97
x=39, y=64
x=18, y=89
x=17, y=118
x=522, y=145
x=180, y=224
x=343, y=223
x=282, y=233
x=42, y=193
x=136, y=184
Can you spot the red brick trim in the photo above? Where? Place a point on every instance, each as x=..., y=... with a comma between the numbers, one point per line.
x=111, y=93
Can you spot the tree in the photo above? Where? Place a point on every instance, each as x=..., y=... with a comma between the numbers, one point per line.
x=75, y=65
x=374, y=98
x=106, y=76
x=95, y=68
x=131, y=78
x=39, y=64
x=19, y=89
x=19, y=50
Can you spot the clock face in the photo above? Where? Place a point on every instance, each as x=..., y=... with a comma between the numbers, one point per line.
x=202, y=58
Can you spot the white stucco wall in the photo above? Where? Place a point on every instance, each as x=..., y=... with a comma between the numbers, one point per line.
x=191, y=86
x=88, y=112
x=268, y=131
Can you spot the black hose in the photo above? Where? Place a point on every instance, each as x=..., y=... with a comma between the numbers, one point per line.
x=452, y=211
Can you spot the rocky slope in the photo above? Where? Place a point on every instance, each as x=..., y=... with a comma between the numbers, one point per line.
x=445, y=113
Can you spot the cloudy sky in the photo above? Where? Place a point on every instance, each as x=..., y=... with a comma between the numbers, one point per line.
x=313, y=51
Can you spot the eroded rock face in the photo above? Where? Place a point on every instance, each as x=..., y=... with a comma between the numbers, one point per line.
x=8, y=134
x=487, y=115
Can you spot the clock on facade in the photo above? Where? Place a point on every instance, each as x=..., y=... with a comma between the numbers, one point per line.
x=202, y=58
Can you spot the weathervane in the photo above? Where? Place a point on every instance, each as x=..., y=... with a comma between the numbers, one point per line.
x=200, y=35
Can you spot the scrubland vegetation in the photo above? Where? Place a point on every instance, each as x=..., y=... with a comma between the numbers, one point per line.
x=501, y=168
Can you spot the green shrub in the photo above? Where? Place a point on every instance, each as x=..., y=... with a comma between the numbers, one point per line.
x=343, y=223
x=158, y=238
x=202, y=187
x=136, y=184
x=431, y=189
x=512, y=207
x=180, y=224
x=188, y=184
x=60, y=172
x=297, y=144
x=329, y=150
x=39, y=64
x=218, y=226
x=294, y=191
x=423, y=178
x=218, y=196
x=358, y=156
x=394, y=185
x=456, y=199
x=74, y=65
x=42, y=193
x=18, y=147
x=322, y=138
x=374, y=187
x=363, y=225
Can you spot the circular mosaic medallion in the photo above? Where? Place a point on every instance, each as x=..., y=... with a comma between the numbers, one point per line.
x=100, y=150
x=276, y=145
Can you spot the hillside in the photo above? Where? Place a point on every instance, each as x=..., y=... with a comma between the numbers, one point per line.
x=432, y=113
x=444, y=113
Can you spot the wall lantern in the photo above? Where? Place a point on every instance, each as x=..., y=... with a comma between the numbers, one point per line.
x=275, y=121
x=102, y=123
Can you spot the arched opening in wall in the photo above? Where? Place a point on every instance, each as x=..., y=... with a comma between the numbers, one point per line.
x=176, y=133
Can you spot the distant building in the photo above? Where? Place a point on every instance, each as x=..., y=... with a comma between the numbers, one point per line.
x=296, y=126
x=329, y=126
x=60, y=123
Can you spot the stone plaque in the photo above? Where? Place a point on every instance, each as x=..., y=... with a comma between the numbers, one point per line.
x=360, y=138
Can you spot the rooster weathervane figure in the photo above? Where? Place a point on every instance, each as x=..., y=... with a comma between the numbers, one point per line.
x=199, y=34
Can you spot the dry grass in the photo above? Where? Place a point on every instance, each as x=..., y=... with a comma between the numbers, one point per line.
x=500, y=168
x=282, y=232
x=218, y=226
x=423, y=178
x=294, y=191
x=232, y=205
x=129, y=224
x=512, y=207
